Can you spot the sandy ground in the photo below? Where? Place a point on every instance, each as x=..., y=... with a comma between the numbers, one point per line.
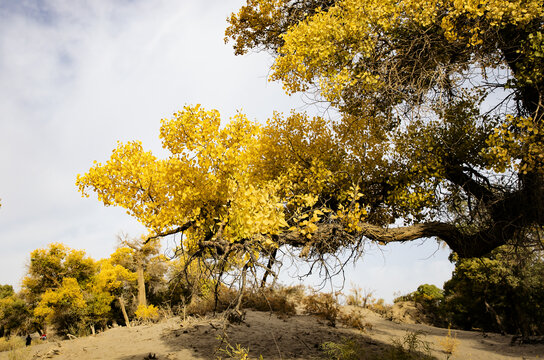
x=296, y=337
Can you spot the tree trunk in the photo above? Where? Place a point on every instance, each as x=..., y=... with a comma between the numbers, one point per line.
x=141, y=285
x=268, y=271
x=122, y=304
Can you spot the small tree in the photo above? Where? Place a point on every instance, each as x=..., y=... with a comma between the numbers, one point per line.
x=116, y=280
x=63, y=307
x=47, y=271
x=142, y=258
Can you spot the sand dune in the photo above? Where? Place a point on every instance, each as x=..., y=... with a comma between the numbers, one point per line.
x=295, y=337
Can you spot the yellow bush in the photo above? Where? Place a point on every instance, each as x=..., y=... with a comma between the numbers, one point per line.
x=449, y=343
x=147, y=312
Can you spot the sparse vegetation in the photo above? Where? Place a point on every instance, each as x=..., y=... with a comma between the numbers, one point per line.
x=324, y=305
x=449, y=343
x=347, y=349
x=236, y=352
x=355, y=320
x=411, y=346
x=14, y=342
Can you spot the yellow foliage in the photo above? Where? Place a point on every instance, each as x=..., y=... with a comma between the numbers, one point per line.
x=409, y=78
x=113, y=277
x=518, y=143
x=69, y=295
x=208, y=179
x=147, y=312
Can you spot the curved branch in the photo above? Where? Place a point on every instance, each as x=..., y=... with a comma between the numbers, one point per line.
x=329, y=237
x=177, y=230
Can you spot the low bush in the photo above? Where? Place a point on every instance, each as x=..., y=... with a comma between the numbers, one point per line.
x=411, y=347
x=379, y=306
x=449, y=343
x=323, y=305
x=279, y=300
x=354, y=319
x=202, y=305
x=147, y=313
x=347, y=349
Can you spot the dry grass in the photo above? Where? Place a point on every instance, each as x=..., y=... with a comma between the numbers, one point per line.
x=323, y=305
x=279, y=300
x=354, y=319
x=15, y=342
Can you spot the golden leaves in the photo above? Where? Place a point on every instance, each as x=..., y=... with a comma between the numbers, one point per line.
x=516, y=144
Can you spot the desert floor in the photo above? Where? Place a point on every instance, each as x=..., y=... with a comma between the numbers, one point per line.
x=295, y=337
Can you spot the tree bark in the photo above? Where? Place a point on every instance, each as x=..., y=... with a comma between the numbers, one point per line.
x=141, y=285
x=123, y=310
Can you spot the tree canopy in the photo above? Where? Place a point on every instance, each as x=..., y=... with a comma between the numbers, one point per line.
x=439, y=134
x=499, y=292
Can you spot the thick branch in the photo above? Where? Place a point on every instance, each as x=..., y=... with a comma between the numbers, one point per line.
x=330, y=237
x=456, y=175
x=177, y=230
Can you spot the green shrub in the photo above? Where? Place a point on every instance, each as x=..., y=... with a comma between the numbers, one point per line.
x=411, y=346
x=424, y=294
x=347, y=349
x=501, y=292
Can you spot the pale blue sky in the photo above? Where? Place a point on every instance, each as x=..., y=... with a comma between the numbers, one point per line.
x=77, y=76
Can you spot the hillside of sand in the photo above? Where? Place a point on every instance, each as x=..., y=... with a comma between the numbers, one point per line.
x=273, y=337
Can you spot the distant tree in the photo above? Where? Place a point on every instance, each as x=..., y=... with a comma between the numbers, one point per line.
x=63, y=307
x=145, y=260
x=5, y=291
x=500, y=292
x=46, y=277
x=14, y=313
x=50, y=266
x=424, y=293
x=116, y=280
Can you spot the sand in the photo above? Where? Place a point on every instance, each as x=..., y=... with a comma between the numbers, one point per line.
x=295, y=337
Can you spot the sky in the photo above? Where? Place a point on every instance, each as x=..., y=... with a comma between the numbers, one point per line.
x=77, y=76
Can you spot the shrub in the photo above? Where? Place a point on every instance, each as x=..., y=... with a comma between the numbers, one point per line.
x=411, y=346
x=379, y=306
x=424, y=294
x=449, y=343
x=278, y=300
x=147, y=313
x=347, y=349
x=323, y=305
x=205, y=304
x=12, y=343
x=355, y=320
x=360, y=297
x=500, y=292
x=237, y=352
